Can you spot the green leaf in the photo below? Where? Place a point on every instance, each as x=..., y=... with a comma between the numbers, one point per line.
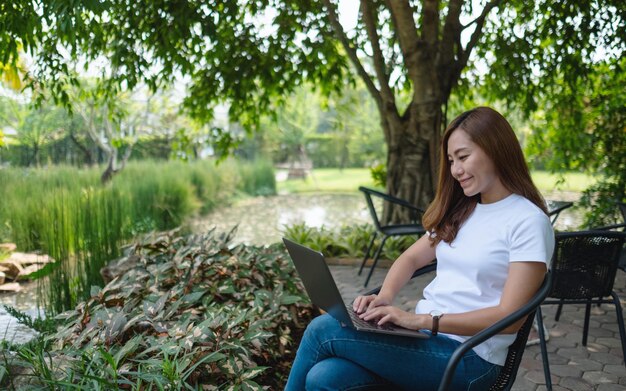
x=287, y=299
x=48, y=269
x=193, y=297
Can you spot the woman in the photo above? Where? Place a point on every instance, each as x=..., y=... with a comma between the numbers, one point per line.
x=489, y=230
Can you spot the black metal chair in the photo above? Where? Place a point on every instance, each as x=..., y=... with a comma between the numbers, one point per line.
x=555, y=208
x=413, y=226
x=507, y=375
x=583, y=267
x=618, y=227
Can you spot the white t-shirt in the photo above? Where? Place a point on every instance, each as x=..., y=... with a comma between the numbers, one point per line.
x=472, y=270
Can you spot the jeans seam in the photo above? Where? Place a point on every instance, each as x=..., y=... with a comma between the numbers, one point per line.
x=472, y=382
x=363, y=386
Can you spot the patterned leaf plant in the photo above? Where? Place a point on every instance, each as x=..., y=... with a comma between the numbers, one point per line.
x=192, y=311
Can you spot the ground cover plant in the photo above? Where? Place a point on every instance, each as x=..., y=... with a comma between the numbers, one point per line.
x=186, y=312
x=348, y=241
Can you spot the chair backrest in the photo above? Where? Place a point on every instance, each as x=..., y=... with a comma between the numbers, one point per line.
x=584, y=263
x=507, y=375
x=556, y=207
x=415, y=213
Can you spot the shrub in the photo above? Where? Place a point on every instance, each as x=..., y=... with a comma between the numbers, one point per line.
x=189, y=311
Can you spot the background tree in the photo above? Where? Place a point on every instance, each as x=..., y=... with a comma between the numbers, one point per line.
x=342, y=130
x=253, y=54
x=350, y=125
x=295, y=124
x=105, y=121
x=39, y=127
x=34, y=127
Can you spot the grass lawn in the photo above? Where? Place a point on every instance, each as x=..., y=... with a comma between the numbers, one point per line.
x=572, y=181
x=349, y=180
x=330, y=180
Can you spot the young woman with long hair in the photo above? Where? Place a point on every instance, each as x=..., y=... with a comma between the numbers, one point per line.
x=489, y=231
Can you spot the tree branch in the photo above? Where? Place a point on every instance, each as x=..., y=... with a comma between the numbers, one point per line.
x=370, y=17
x=83, y=148
x=451, y=33
x=108, y=127
x=343, y=38
x=127, y=153
x=402, y=15
x=430, y=21
x=89, y=120
x=480, y=22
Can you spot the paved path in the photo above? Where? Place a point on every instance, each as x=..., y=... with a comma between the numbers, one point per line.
x=599, y=366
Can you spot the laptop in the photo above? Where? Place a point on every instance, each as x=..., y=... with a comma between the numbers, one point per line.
x=321, y=288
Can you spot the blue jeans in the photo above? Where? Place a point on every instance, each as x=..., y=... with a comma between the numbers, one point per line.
x=332, y=357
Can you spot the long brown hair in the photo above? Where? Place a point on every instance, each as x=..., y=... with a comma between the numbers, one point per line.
x=493, y=134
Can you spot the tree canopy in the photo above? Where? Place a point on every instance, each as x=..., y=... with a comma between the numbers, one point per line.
x=411, y=55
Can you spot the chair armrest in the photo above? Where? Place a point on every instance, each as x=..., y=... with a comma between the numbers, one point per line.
x=426, y=269
x=390, y=198
x=559, y=206
x=609, y=227
x=494, y=329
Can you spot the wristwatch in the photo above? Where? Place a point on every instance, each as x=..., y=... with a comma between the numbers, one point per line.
x=436, y=315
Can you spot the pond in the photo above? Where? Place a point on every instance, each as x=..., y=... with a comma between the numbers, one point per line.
x=260, y=221
x=26, y=301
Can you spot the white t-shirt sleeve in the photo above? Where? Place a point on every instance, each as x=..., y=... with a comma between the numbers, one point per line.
x=532, y=240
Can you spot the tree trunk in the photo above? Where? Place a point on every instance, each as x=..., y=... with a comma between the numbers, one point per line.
x=112, y=166
x=88, y=156
x=107, y=175
x=433, y=58
x=412, y=159
x=34, y=159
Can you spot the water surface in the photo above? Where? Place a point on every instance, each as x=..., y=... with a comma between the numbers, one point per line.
x=262, y=220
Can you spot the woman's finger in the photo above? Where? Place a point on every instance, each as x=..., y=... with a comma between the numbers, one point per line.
x=361, y=303
x=384, y=319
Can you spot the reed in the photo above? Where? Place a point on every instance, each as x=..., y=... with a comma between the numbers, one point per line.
x=66, y=213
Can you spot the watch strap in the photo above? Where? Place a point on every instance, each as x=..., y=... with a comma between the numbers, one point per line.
x=435, y=328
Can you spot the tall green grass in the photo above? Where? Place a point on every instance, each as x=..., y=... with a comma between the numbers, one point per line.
x=66, y=213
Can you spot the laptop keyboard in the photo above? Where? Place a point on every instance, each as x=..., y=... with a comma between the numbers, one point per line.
x=367, y=324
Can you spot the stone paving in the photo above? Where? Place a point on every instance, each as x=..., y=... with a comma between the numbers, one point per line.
x=598, y=366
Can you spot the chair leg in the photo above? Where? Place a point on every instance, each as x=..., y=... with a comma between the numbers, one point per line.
x=544, y=349
x=376, y=256
x=586, y=324
x=557, y=316
x=620, y=323
x=367, y=253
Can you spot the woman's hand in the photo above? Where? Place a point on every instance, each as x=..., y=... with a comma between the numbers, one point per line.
x=387, y=314
x=363, y=303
